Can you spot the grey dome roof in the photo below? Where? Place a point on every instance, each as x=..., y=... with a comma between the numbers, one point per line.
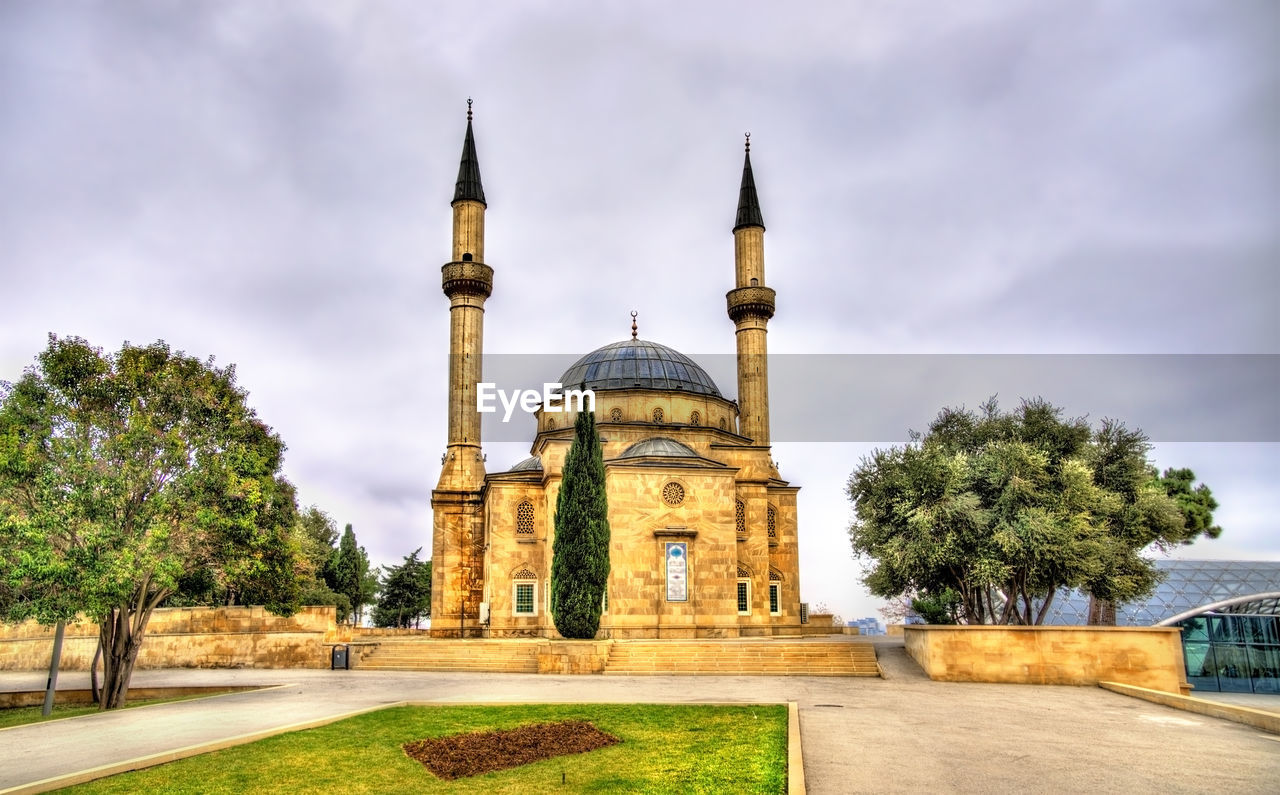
x=658, y=445
x=530, y=464
x=638, y=364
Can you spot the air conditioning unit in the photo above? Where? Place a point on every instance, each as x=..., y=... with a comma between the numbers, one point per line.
x=484, y=613
x=804, y=612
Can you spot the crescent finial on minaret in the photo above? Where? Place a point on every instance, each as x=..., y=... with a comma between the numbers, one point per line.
x=748, y=139
x=469, y=109
x=635, y=330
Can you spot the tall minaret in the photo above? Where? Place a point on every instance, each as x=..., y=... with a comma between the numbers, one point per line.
x=457, y=503
x=750, y=307
x=467, y=281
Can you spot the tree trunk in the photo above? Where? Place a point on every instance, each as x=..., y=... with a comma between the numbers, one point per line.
x=1044, y=608
x=1102, y=612
x=121, y=636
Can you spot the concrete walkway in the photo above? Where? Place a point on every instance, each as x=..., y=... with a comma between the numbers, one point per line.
x=904, y=733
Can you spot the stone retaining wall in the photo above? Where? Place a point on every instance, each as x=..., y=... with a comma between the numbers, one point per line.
x=187, y=637
x=1149, y=657
x=573, y=656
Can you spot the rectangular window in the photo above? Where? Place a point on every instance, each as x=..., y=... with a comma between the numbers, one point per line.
x=775, y=599
x=604, y=602
x=744, y=597
x=524, y=598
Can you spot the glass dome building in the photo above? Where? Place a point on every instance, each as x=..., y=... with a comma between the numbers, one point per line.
x=1229, y=611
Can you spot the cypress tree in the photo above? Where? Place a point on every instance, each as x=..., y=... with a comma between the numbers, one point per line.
x=580, y=554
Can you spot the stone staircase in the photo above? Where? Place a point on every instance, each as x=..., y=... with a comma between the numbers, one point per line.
x=742, y=657
x=730, y=657
x=420, y=654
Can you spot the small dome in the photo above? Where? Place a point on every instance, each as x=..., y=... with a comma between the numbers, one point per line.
x=530, y=464
x=638, y=364
x=659, y=446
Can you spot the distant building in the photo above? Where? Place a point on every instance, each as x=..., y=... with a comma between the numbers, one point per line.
x=867, y=626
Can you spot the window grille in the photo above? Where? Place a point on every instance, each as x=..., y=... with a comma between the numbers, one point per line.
x=524, y=519
x=524, y=598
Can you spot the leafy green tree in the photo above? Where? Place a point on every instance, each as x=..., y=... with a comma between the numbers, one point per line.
x=317, y=537
x=405, y=593
x=988, y=514
x=939, y=608
x=580, y=554
x=124, y=479
x=349, y=574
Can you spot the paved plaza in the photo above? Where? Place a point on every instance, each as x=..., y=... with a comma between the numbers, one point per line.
x=903, y=733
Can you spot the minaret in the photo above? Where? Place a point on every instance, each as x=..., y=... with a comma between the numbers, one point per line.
x=750, y=306
x=457, y=503
x=467, y=281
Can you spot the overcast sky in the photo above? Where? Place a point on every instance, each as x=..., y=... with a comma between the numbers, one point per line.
x=269, y=183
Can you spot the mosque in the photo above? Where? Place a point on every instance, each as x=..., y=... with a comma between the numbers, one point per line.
x=703, y=527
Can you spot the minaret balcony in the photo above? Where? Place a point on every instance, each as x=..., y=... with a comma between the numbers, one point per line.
x=750, y=302
x=467, y=278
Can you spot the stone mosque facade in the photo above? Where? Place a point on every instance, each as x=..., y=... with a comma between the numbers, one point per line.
x=703, y=527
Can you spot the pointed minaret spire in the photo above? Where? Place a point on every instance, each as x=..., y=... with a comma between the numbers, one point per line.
x=748, y=202
x=750, y=305
x=469, y=186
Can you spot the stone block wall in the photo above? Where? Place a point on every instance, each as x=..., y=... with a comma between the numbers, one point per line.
x=188, y=637
x=1149, y=657
x=573, y=656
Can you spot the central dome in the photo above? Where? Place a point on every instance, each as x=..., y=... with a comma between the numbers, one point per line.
x=638, y=364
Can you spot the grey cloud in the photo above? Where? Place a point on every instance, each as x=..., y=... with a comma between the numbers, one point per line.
x=270, y=183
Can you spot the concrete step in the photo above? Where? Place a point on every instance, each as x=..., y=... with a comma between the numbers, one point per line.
x=727, y=658
x=635, y=657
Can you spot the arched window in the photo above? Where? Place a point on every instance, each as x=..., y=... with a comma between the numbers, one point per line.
x=657, y=415
x=740, y=518
x=524, y=593
x=695, y=418
x=775, y=593
x=524, y=519
x=615, y=415
x=773, y=522
x=744, y=591
x=723, y=425
x=551, y=424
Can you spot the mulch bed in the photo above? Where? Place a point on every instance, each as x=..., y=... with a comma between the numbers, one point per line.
x=462, y=755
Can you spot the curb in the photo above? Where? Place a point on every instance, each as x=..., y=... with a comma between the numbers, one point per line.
x=1255, y=718
x=795, y=757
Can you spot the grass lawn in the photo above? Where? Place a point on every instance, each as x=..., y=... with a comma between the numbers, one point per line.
x=20, y=716
x=664, y=748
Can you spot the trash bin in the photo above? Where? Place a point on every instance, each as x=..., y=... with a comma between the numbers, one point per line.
x=341, y=658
